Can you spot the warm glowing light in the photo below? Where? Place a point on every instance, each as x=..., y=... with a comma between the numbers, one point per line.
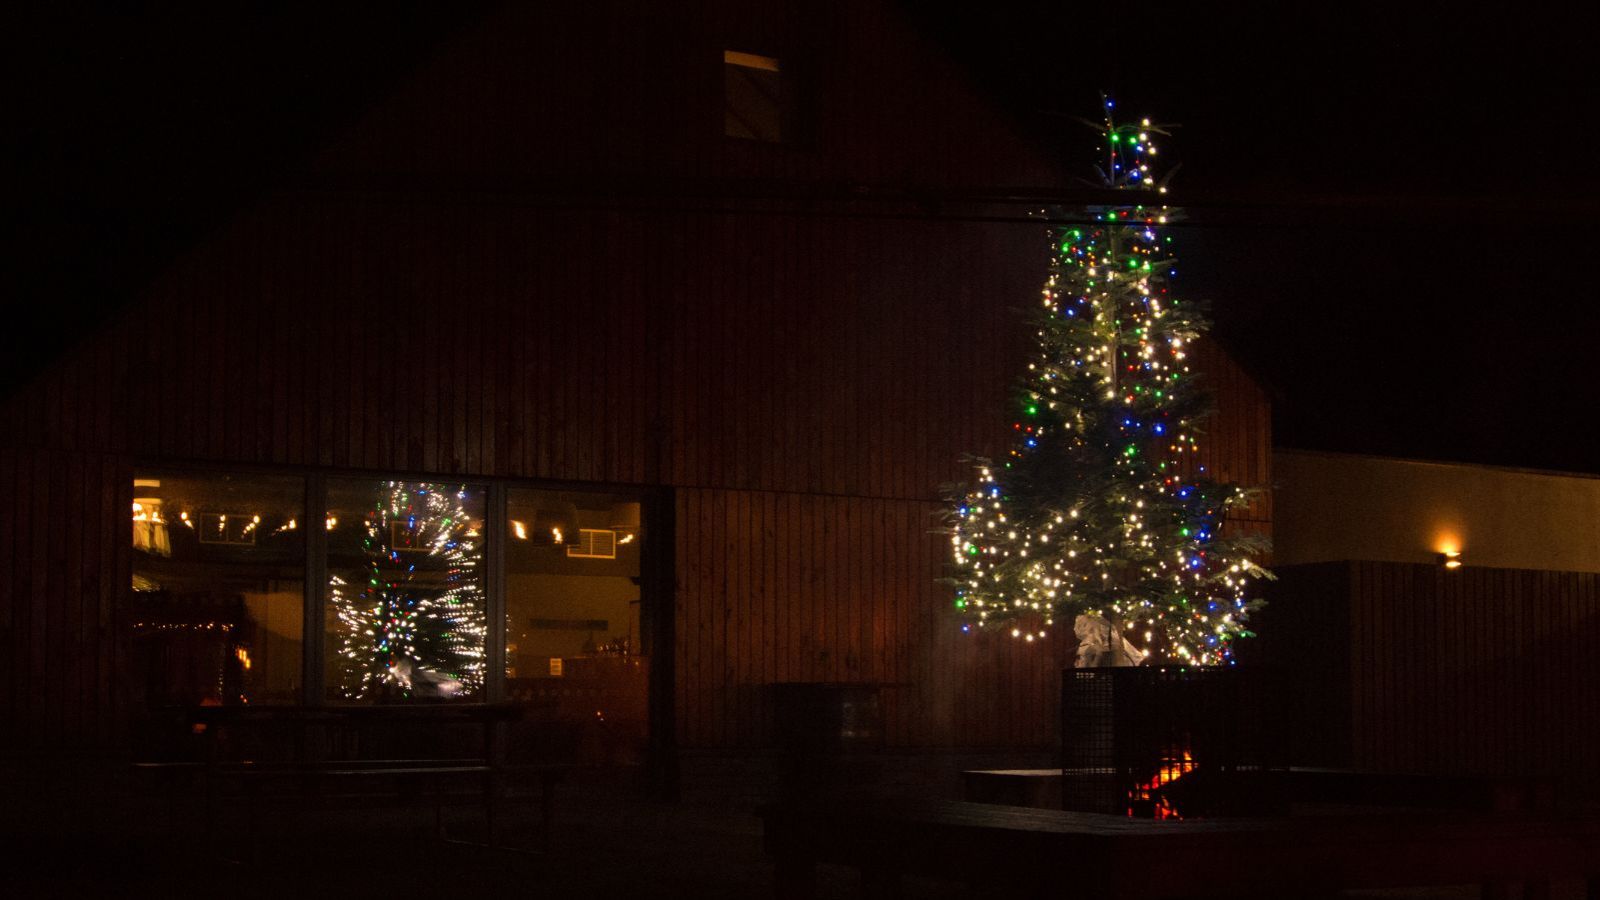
x=1171, y=769
x=519, y=529
x=749, y=60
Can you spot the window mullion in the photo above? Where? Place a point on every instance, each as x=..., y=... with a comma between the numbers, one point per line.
x=494, y=530
x=316, y=537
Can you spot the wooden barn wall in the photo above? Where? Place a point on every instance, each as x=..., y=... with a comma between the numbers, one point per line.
x=808, y=383
x=1418, y=669
x=64, y=567
x=425, y=304
x=1477, y=670
x=795, y=587
x=1236, y=442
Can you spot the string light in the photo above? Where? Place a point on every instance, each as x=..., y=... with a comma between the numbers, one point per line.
x=1100, y=507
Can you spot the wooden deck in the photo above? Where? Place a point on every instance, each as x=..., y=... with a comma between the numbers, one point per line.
x=1034, y=852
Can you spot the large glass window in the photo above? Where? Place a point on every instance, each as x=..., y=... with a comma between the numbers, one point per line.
x=575, y=638
x=402, y=572
x=217, y=611
x=406, y=614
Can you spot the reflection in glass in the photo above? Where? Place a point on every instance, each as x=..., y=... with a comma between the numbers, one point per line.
x=406, y=613
x=218, y=589
x=575, y=649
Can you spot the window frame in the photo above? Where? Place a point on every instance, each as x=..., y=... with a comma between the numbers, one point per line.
x=746, y=62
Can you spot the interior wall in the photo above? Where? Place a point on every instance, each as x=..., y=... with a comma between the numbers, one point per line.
x=611, y=599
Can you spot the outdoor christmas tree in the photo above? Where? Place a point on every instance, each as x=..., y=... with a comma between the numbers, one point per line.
x=415, y=623
x=1098, y=517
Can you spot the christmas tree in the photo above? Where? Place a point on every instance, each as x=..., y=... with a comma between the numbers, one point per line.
x=414, y=623
x=1099, y=515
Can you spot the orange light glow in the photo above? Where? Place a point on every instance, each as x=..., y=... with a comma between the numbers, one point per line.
x=1447, y=539
x=1171, y=769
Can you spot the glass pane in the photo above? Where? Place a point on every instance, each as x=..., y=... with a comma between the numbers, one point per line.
x=218, y=588
x=575, y=640
x=753, y=92
x=406, y=615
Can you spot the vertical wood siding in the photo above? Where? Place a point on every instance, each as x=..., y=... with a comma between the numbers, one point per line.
x=806, y=382
x=777, y=587
x=1476, y=671
x=64, y=564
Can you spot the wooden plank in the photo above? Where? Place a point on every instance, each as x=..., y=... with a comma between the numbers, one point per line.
x=734, y=616
x=741, y=650
x=719, y=674
x=103, y=559
x=686, y=570
x=785, y=643
x=757, y=604
x=55, y=639
x=773, y=604
x=814, y=616
x=483, y=349
x=11, y=602
x=710, y=573
x=75, y=636
x=830, y=514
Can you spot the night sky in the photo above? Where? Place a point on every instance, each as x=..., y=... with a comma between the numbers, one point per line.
x=1445, y=311
x=1450, y=312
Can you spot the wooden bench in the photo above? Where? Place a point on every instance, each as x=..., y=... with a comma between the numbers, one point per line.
x=1022, y=852
x=300, y=770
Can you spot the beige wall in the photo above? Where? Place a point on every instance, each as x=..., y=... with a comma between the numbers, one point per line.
x=1332, y=506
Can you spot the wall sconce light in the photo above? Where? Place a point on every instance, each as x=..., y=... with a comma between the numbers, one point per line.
x=1450, y=559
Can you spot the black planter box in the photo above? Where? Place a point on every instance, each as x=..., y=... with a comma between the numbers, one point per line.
x=827, y=734
x=1170, y=741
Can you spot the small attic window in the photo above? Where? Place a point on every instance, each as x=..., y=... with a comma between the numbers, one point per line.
x=753, y=96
